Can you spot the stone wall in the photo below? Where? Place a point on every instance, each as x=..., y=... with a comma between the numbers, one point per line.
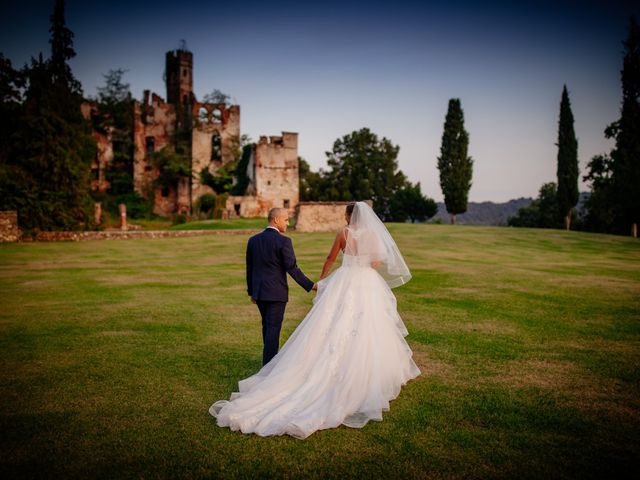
x=215, y=140
x=276, y=172
x=127, y=235
x=320, y=216
x=153, y=129
x=104, y=154
x=247, y=206
x=9, y=231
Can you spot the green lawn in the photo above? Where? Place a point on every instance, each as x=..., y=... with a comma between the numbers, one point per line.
x=235, y=224
x=161, y=223
x=529, y=343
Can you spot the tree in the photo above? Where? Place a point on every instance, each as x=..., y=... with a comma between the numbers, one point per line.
x=216, y=96
x=231, y=177
x=62, y=51
x=363, y=167
x=567, y=169
x=601, y=209
x=625, y=171
x=172, y=167
x=543, y=211
x=115, y=91
x=310, y=182
x=12, y=82
x=241, y=177
x=52, y=145
x=221, y=181
x=456, y=168
x=114, y=118
x=409, y=203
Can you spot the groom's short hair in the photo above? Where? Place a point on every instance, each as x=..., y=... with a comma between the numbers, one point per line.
x=274, y=213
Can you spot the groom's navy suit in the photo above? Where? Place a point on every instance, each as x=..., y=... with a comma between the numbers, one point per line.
x=269, y=258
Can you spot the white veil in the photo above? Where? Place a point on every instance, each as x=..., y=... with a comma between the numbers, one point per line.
x=368, y=238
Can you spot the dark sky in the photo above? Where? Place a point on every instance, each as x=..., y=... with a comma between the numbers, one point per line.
x=324, y=69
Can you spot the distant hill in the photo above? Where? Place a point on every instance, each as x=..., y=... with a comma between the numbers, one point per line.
x=484, y=213
x=490, y=213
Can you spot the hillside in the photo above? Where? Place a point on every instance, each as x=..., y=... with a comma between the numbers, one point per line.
x=484, y=213
x=497, y=214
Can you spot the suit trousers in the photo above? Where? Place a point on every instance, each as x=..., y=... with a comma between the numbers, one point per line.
x=272, y=315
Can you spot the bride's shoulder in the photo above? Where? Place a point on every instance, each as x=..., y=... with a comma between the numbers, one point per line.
x=341, y=237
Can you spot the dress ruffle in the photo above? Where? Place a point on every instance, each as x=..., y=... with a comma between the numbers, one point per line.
x=342, y=366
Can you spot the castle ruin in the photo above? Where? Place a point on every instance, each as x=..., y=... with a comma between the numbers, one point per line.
x=213, y=133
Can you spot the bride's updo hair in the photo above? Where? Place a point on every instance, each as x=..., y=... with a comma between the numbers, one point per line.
x=350, y=208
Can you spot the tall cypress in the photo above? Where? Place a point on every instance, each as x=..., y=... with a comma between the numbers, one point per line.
x=53, y=142
x=456, y=168
x=567, y=170
x=62, y=51
x=626, y=154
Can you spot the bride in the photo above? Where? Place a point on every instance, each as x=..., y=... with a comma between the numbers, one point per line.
x=348, y=358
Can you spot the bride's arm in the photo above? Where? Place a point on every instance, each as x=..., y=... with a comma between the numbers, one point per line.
x=338, y=245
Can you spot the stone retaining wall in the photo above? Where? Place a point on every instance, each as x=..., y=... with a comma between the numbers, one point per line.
x=9, y=231
x=125, y=235
x=321, y=216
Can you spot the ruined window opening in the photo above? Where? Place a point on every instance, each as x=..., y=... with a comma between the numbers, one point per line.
x=184, y=72
x=286, y=203
x=165, y=191
x=185, y=99
x=147, y=168
x=203, y=115
x=268, y=182
x=237, y=208
x=95, y=172
x=216, y=148
x=150, y=146
x=216, y=116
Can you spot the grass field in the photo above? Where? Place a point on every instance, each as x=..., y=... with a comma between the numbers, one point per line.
x=235, y=224
x=529, y=343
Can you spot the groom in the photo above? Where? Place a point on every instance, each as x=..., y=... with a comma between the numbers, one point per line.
x=269, y=258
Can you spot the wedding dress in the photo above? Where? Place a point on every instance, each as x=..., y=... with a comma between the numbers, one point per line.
x=348, y=357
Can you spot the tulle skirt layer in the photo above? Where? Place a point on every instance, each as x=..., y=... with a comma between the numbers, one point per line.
x=342, y=365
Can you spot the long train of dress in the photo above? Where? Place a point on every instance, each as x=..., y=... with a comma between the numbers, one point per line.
x=342, y=365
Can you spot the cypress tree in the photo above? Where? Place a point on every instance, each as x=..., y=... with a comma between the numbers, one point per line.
x=567, y=170
x=53, y=142
x=456, y=168
x=626, y=154
x=62, y=51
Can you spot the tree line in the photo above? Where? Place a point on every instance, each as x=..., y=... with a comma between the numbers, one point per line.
x=614, y=203
x=362, y=166
x=47, y=148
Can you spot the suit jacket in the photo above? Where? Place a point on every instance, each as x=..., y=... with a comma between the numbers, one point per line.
x=269, y=258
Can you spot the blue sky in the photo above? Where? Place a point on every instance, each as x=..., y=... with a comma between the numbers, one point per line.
x=324, y=69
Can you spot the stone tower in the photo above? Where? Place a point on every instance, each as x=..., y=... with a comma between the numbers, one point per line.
x=179, y=77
